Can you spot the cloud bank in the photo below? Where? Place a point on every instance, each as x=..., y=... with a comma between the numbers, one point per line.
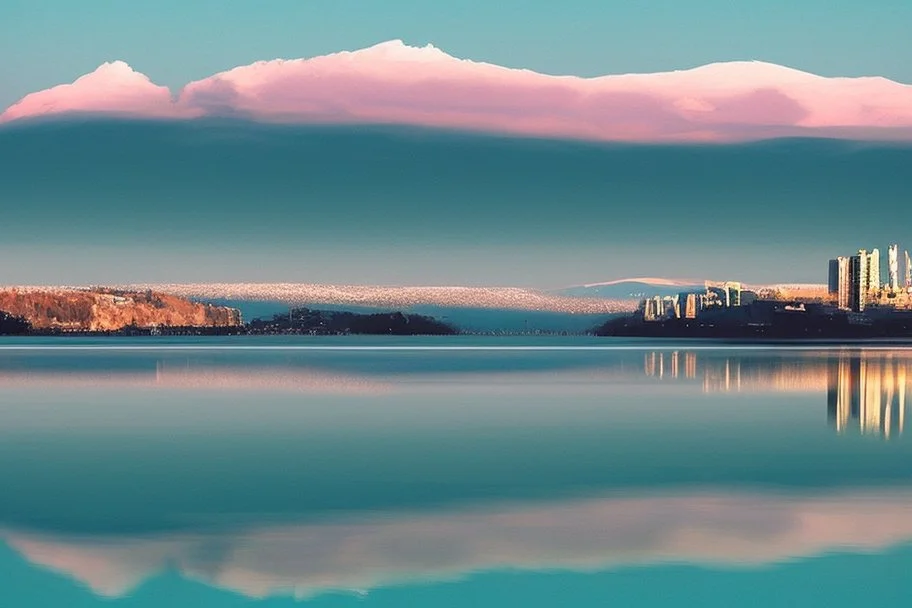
x=393, y=83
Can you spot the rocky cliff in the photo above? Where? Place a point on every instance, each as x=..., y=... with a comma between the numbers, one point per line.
x=108, y=310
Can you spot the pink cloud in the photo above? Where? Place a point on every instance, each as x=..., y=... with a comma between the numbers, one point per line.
x=113, y=88
x=395, y=83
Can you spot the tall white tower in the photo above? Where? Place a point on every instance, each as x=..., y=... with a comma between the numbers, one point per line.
x=874, y=270
x=858, y=272
x=908, y=272
x=893, y=265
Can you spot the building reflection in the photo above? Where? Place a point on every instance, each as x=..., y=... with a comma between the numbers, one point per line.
x=867, y=394
x=736, y=373
x=866, y=390
x=679, y=364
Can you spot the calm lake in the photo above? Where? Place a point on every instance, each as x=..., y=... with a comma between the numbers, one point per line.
x=356, y=471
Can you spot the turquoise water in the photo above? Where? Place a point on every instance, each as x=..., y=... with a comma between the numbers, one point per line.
x=452, y=472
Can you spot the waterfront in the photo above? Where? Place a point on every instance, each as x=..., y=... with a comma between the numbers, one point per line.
x=452, y=472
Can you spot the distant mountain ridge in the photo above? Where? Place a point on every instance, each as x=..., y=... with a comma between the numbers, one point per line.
x=394, y=83
x=624, y=289
x=637, y=288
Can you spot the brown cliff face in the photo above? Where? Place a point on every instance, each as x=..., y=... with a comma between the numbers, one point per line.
x=108, y=310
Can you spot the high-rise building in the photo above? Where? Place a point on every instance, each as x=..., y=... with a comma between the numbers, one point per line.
x=844, y=283
x=893, y=267
x=833, y=277
x=858, y=280
x=658, y=308
x=874, y=270
x=732, y=293
x=690, y=306
x=649, y=310
x=908, y=272
x=673, y=304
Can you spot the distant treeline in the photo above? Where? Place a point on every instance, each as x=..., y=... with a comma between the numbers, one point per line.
x=323, y=322
x=296, y=321
x=11, y=325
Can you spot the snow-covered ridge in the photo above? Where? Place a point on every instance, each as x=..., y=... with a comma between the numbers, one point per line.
x=505, y=298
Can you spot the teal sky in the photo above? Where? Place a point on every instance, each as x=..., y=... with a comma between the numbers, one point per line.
x=119, y=202
x=48, y=42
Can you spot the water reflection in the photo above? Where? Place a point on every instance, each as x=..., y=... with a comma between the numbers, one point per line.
x=193, y=375
x=302, y=473
x=866, y=391
x=780, y=372
x=381, y=549
x=867, y=394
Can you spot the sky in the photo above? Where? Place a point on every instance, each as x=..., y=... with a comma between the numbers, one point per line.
x=120, y=202
x=49, y=42
x=222, y=201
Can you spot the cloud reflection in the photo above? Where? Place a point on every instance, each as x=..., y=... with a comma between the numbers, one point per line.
x=194, y=377
x=382, y=549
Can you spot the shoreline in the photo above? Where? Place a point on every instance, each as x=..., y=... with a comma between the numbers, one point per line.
x=587, y=340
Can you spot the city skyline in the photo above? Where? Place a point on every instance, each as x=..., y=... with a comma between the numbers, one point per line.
x=860, y=280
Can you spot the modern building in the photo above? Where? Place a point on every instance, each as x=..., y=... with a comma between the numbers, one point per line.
x=691, y=304
x=858, y=281
x=727, y=294
x=659, y=308
x=833, y=277
x=908, y=272
x=649, y=309
x=873, y=270
x=844, y=283
x=893, y=267
x=733, y=293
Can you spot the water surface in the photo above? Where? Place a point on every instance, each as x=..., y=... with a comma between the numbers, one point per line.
x=452, y=472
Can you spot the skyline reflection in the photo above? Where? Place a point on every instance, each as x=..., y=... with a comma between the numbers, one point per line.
x=866, y=390
x=867, y=394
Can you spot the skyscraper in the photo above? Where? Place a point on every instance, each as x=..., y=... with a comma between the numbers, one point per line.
x=873, y=270
x=893, y=267
x=908, y=272
x=833, y=277
x=843, y=283
x=732, y=293
x=690, y=305
x=858, y=280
